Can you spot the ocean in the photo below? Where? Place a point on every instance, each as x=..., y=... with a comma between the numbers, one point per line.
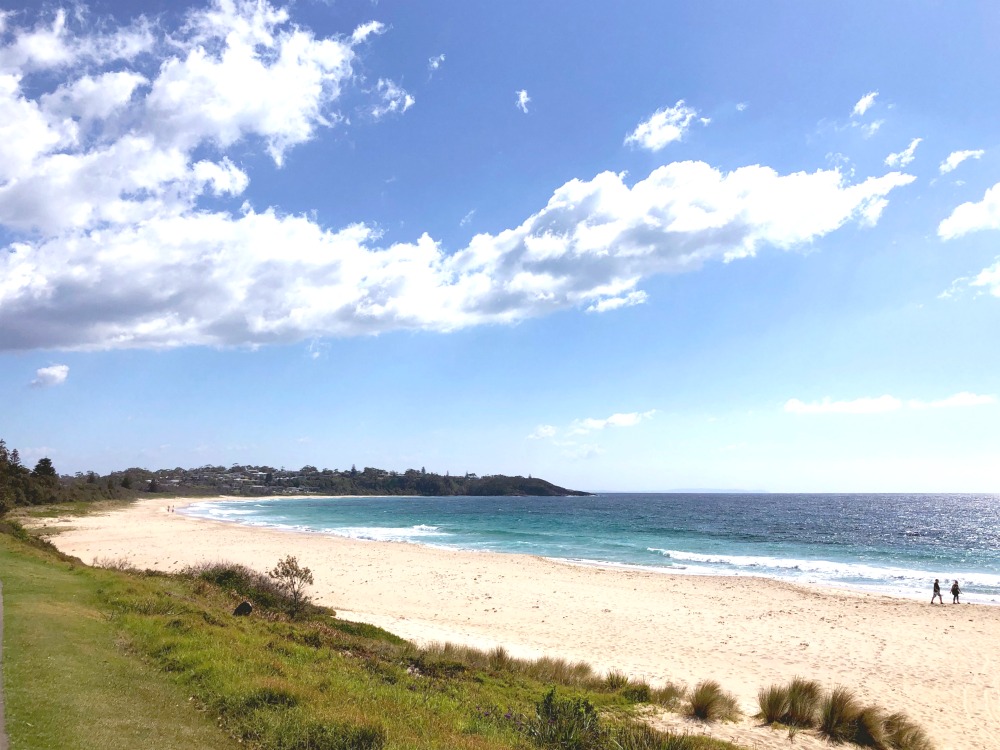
x=895, y=544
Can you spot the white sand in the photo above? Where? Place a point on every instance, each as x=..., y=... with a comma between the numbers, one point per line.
x=940, y=664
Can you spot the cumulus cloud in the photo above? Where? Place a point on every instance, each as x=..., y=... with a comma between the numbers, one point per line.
x=886, y=403
x=106, y=176
x=522, y=100
x=905, y=157
x=664, y=126
x=973, y=216
x=48, y=376
x=957, y=157
x=864, y=104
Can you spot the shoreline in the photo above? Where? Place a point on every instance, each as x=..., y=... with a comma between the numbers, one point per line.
x=692, y=570
x=937, y=663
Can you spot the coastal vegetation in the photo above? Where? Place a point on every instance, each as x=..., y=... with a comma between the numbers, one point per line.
x=839, y=716
x=43, y=485
x=95, y=657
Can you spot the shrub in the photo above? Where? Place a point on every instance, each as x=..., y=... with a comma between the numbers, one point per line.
x=241, y=580
x=567, y=724
x=803, y=702
x=709, y=702
x=292, y=579
x=637, y=692
x=838, y=715
x=615, y=680
x=773, y=702
x=903, y=734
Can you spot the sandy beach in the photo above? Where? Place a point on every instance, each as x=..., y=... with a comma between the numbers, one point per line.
x=940, y=664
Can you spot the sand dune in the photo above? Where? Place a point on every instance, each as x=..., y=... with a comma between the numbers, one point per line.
x=940, y=664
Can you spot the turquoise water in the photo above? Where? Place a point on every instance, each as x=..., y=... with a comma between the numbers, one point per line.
x=887, y=543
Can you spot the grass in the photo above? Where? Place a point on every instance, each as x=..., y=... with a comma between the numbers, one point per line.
x=66, y=679
x=709, y=702
x=104, y=658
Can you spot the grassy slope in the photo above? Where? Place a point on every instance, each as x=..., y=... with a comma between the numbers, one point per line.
x=106, y=659
x=68, y=683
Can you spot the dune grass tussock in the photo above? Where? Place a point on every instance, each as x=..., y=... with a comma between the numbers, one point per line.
x=773, y=702
x=803, y=702
x=709, y=702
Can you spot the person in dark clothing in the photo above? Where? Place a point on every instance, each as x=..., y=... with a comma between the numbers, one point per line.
x=937, y=592
x=955, y=591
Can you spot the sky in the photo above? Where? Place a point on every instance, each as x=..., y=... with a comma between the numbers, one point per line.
x=635, y=246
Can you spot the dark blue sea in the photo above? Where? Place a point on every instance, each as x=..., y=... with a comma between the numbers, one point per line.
x=895, y=544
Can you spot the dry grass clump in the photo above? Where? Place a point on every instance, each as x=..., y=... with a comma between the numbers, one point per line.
x=773, y=702
x=669, y=696
x=904, y=734
x=803, y=702
x=709, y=702
x=837, y=714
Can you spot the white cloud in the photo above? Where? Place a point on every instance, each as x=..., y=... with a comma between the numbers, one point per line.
x=883, y=404
x=871, y=128
x=467, y=218
x=664, y=126
x=857, y=406
x=435, y=62
x=973, y=217
x=742, y=107
x=957, y=157
x=543, y=431
x=864, y=104
x=629, y=419
x=119, y=205
x=394, y=99
x=365, y=30
x=183, y=277
x=522, y=100
x=48, y=376
x=905, y=157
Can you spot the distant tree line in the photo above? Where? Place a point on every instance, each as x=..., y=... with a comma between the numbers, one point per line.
x=21, y=486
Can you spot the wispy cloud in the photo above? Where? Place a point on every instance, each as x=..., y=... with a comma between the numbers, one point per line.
x=49, y=376
x=542, y=432
x=522, y=100
x=394, y=99
x=957, y=157
x=664, y=126
x=435, y=62
x=864, y=104
x=905, y=157
x=628, y=419
x=883, y=404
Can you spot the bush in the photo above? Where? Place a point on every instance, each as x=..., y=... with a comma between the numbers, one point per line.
x=637, y=692
x=838, y=715
x=773, y=702
x=709, y=702
x=292, y=579
x=567, y=724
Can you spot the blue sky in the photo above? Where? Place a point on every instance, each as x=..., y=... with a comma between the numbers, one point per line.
x=622, y=246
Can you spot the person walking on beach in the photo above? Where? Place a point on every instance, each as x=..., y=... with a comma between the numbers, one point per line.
x=937, y=592
x=955, y=591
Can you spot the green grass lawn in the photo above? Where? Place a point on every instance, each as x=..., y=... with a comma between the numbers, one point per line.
x=68, y=682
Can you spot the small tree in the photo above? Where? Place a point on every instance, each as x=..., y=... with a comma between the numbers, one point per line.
x=293, y=579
